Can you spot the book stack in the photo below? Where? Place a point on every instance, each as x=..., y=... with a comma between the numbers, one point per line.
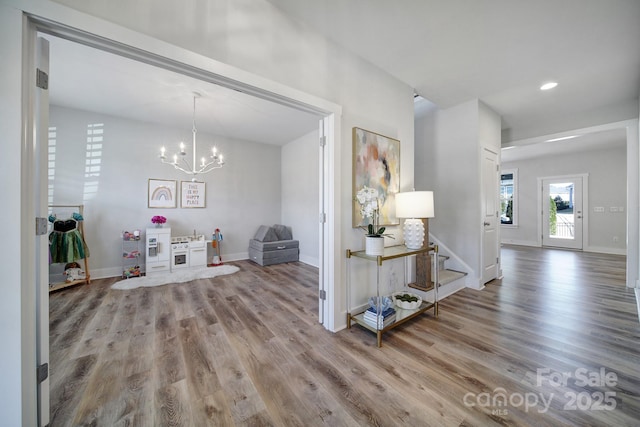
x=387, y=317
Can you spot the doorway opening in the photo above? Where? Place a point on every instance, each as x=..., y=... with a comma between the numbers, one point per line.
x=563, y=219
x=327, y=118
x=329, y=127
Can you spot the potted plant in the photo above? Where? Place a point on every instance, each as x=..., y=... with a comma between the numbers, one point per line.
x=158, y=220
x=370, y=208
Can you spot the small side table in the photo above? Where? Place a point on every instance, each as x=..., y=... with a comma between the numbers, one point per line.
x=402, y=315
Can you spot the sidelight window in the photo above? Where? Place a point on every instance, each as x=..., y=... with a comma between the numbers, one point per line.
x=509, y=197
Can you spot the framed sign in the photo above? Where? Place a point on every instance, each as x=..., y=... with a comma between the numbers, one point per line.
x=193, y=194
x=162, y=193
x=376, y=164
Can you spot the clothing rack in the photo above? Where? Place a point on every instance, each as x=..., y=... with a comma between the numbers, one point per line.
x=87, y=279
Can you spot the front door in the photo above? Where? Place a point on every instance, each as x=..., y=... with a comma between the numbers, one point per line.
x=562, y=214
x=490, y=208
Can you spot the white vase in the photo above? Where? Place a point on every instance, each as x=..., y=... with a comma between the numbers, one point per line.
x=374, y=245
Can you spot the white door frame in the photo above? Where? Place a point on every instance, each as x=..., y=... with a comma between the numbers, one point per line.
x=585, y=204
x=187, y=63
x=41, y=262
x=113, y=38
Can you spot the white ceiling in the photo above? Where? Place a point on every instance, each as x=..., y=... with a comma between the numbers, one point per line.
x=498, y=51
x=610, y=139
x=93, y=80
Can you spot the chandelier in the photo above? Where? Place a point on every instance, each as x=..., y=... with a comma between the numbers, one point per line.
x=182, y=163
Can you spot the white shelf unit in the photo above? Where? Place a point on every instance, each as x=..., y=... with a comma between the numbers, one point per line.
x=132, y=251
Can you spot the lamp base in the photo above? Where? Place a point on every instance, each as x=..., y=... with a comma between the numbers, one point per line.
x=413, y=231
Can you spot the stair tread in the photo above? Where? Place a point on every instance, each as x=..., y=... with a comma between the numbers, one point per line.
x=446, y=276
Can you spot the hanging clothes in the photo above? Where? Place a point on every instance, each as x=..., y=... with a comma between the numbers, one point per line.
x=66, y=243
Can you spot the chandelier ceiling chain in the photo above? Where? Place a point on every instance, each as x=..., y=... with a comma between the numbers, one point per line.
x=216, y=160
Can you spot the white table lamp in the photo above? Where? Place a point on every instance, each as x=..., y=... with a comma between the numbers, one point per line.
x=414, y=205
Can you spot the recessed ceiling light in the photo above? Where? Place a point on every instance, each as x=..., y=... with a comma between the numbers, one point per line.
x=548, y=86
x=562, y=138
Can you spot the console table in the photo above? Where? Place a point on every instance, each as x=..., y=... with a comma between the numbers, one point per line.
x=402, y=315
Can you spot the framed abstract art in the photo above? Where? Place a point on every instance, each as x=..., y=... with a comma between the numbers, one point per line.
x=376, y=164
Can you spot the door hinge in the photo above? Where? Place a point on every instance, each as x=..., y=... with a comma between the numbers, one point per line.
x=497, y=168
x=497, y=260
x=323, y=141
x=41, y=226
x=322, y=294
x=323, y=218
x=42, y=79
x=42, y=372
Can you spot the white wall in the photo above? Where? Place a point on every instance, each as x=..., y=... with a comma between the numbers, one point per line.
x=449, y=143
x=239, y=197
x=607, y=188
x=489, y=132
x=300, y=193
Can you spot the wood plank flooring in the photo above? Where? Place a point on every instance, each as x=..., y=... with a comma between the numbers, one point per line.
x=247, y=350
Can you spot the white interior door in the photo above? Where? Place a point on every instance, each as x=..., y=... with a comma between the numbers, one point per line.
x=41, y=140
x=490, y=209
x=562, y=213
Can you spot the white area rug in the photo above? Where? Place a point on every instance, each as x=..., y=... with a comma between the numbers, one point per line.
x=185, y=275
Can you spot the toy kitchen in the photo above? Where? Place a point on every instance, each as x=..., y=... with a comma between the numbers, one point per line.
x=188, y=251
x=171, y=253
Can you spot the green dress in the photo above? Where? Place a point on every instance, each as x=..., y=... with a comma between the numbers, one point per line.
x=66, y=243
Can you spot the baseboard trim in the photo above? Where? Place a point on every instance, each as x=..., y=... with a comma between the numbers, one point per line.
x=104, y=273
x=475, y=284
x=314, y=262
x=594, y=249
x=603, y=250
x=520, y=242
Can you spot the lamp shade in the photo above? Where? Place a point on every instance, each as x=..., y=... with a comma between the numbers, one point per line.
x=414, y=204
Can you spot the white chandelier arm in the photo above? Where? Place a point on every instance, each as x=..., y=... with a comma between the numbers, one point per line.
x=177, y=166
x=209, y=167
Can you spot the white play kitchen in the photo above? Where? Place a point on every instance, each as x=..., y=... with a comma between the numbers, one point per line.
x=165, y=253
x=188, y=251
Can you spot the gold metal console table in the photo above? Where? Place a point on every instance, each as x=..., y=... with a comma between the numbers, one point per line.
x=402, y=315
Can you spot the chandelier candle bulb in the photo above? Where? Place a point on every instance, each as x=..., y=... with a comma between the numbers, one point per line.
x=182, y=148
x=162, y=150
